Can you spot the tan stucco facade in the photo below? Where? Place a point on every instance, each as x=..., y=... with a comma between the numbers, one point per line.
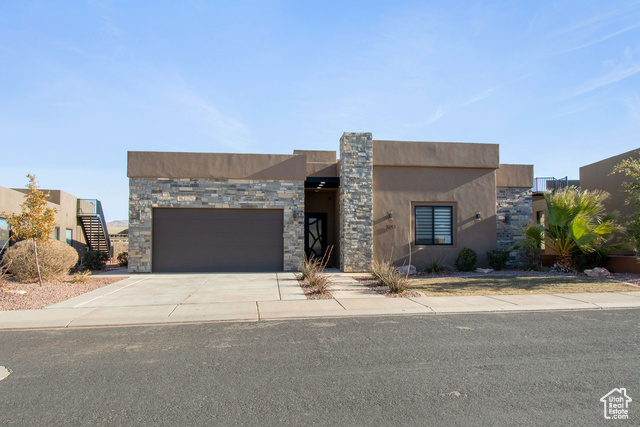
x=149, y=164
x=598, y=176
x=435, y=154
x=378, y=176
x=514, y=176
x=399, y=189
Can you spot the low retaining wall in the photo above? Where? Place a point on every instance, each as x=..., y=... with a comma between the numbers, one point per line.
x=623, y=264
x=615, y=263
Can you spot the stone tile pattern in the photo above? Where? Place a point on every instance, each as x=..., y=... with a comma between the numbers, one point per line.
x=356, y=201
x=148, y=193
x=517, y=204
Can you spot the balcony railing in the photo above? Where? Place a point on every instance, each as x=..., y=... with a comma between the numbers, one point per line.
x=548, y=183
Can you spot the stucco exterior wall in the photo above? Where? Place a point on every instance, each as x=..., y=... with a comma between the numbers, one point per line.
x=398, y=189
x=514, y=176
x=597, y=176
x=435, y=154
x=151, y=164
x=148, y=193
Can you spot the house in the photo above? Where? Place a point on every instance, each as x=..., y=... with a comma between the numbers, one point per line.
x=598, y=176
x=119, y=238
x=595, y=176
x=386, y=200
x=79, y=222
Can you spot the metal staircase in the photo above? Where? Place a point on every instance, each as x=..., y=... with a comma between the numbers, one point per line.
x=93, y=225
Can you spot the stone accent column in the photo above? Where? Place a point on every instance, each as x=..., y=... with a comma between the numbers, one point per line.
x=356, y=201
x=514, y=211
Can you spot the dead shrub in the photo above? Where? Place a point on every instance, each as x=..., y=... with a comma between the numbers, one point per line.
x=312, y=270
x=56, y=259
x=389, y=276
x=320, y=282
x=310, y=267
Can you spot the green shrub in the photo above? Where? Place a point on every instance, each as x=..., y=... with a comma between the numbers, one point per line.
x=466, y=260
x=530, y=258
x=436, y=265
x=583, y=261
x=55, y=258
x=498, y=258
x=94, y=260
x=123, y=259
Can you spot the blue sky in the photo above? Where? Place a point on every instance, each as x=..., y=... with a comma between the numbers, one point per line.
x=555, y=83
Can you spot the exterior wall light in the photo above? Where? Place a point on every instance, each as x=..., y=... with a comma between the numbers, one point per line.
x=478, y=216
x=390, y=215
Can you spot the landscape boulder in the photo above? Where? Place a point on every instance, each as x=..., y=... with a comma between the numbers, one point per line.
x=598, y=272
x=407, y=268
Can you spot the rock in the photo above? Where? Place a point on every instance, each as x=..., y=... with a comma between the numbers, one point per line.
x=484, y=270
x=410, y=268
x=18, y=292
x=598, y=272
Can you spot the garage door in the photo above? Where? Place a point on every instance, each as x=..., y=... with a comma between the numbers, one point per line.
x=210, y=240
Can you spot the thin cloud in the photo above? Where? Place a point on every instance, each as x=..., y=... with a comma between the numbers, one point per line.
x=223, y=128
x=601, y=39
x=632, y=103
x=437, y=115
x=594, y=22
x=608, y=79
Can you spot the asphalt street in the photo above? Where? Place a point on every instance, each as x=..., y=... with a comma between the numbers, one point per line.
x=543, y=368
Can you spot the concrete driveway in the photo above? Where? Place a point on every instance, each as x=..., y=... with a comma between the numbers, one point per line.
x=176, y=289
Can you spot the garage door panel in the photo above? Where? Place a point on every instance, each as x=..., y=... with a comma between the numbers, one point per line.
x=202, y=240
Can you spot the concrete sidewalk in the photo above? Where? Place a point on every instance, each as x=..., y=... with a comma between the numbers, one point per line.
x=157, y=299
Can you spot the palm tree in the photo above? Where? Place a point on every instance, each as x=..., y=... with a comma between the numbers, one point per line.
x=575, y=220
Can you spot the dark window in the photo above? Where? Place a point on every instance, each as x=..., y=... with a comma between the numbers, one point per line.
x=57, y=233
x=69, y=236
x=434, y=225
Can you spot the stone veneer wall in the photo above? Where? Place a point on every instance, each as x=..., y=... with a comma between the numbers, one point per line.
x=356, y=201
x=148, y=193
x=517, y=203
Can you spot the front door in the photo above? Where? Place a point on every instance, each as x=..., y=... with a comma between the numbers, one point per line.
x=315, y=234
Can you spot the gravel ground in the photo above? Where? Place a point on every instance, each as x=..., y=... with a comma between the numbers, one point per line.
x=49, y=293
x=311, y=293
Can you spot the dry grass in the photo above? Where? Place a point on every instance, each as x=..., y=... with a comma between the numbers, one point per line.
x=389, y=276
x=312, y=272
x=515, y=285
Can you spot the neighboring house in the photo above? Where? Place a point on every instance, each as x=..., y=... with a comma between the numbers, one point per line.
x=384, y=200
x=544, y=184
x=598, y=176
x=119, y=237
x=595, y=176
x=79, y=222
